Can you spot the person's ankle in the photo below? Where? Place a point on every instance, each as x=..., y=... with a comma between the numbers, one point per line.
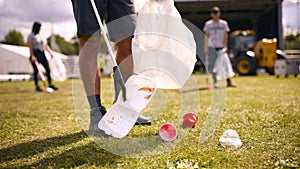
x=94, y=101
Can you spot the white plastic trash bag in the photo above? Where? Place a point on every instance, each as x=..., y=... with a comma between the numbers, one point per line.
x=163, y=48
x=223, y=66
x=58, y=69
x=41, y=70
x=154, y=21
x=230, y=138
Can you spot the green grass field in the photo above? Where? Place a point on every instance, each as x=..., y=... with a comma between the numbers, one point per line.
x=42, y=130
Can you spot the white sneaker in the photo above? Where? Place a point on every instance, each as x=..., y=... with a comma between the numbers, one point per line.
x=122, y=116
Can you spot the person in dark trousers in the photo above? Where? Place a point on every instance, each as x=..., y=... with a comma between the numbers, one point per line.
x=87, y=26
x=216, y=31
x=37, y=46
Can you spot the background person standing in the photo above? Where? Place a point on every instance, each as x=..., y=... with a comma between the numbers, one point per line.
x=37, y=46
x=216, y=40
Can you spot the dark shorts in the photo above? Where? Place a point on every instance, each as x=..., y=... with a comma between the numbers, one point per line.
x=118, y=14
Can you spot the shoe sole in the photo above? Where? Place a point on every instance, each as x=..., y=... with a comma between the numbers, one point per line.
x=143, y=124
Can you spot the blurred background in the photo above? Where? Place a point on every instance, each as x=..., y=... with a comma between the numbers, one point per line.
x=278, y=20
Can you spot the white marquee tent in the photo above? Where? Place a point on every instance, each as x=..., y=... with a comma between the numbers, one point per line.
x=15, y=59
x=15, y=64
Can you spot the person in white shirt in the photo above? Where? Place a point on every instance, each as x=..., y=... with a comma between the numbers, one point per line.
x=37, y=46
x=216, y=31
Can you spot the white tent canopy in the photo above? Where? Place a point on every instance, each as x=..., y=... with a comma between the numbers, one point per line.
x=15, y=59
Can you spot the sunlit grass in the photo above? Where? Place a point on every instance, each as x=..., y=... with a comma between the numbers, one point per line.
x=41, y=130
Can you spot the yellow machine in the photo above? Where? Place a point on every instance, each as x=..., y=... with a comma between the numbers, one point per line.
x=248, y=55
x=265, y=53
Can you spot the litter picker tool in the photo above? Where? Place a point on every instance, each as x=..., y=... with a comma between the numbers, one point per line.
x=207, y=71
x=118, y=79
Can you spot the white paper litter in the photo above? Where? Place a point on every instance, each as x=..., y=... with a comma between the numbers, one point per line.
x=230, y=138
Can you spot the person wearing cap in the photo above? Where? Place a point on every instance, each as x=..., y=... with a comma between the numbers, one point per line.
x=216, y=31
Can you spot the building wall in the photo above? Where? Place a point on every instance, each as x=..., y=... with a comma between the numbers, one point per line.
x=266, y=22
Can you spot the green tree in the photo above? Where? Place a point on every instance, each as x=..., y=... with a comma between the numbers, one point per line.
x=64, y=46
x=292, y=42
x=75, y=42
x=14, y=37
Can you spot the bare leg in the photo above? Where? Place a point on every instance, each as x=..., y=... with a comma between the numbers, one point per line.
x=88, y=64
x=90, y=73
x=124, y=57
x=125, y=62
x=98, y=82
x=229, y=83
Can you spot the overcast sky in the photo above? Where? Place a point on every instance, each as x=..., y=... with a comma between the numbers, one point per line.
x=20, y=14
